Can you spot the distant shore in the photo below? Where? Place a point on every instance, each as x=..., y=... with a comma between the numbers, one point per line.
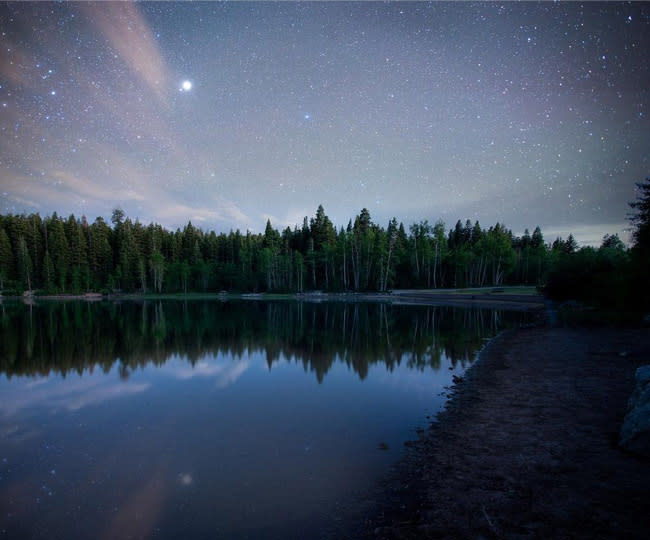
x=527, y=446
x=509, y=298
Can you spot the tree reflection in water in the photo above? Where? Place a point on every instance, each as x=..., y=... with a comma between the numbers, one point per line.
x=73, y=336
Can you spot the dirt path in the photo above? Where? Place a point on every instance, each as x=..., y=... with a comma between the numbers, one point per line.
x=527, y=446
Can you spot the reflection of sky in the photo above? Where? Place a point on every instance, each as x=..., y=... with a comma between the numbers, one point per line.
x=419, y=382
x=223, y=445
x=224, y=369
x=55, y=393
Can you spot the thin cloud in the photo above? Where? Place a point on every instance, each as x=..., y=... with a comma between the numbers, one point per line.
x=15, y=67
x=130, y=35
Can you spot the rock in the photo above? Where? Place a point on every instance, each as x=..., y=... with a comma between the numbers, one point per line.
x=635, y=432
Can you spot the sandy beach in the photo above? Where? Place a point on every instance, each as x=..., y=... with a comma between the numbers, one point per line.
x=527, y=446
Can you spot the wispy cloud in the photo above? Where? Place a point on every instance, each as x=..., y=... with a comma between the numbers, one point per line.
x=87, y=187
x=15, y=67
x=25, y=202
x=129, y=34
x=292, y=218
x=123, y=148
x=170, y=212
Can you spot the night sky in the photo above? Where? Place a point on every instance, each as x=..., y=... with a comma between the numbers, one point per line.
x=229, y=114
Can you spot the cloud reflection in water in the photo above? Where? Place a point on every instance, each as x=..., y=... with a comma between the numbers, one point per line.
x=69, y=394
x=225, y=371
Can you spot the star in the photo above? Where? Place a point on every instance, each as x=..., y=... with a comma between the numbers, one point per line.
x=468, y=109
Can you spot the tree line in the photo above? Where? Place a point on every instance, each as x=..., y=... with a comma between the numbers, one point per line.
x=55, y=255
x=68, y=255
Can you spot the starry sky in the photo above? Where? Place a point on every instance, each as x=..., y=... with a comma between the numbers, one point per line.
x=229, y=114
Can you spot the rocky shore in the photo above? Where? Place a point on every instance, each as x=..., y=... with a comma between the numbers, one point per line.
x=527, y=446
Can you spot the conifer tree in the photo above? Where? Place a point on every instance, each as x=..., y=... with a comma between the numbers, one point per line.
x=640, y=218
x=25, y=266
x=6, y=259
x=60, y=251
x=48, y=272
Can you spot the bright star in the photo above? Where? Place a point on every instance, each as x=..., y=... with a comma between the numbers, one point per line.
x=186, y=86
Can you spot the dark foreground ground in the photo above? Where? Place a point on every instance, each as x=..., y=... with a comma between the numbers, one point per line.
x=527, y=447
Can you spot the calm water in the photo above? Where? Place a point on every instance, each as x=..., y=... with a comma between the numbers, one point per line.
x=173, y=419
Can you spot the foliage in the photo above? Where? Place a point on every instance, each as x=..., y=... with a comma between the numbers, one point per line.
x=640, y=220
x=597, y=277
x=54, y=255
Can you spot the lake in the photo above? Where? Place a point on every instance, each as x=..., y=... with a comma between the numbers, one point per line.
x=212, y=418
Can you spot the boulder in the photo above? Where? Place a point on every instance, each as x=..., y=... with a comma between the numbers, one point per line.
x=635, y=432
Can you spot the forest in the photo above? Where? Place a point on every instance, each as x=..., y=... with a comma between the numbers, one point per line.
x=56, y=255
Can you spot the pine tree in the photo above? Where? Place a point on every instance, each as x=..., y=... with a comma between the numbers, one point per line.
x=100, y=253
x=641, y=218
x=25, y=266
x=570, y=246
x=60, y=251
x=6, y=259
x=640, y=287
x=48, y=272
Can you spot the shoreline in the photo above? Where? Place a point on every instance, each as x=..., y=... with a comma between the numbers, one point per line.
x=526, y=446
x=431, y=297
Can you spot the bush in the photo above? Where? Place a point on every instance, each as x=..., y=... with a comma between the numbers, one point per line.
x=10, y=291
x=596, y=277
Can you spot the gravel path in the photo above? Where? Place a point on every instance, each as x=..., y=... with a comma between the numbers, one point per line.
x=527, y=446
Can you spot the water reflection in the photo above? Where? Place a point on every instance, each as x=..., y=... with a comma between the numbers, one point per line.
x=203, y=419
x=72, y=396
x=225, y=372
x=67, y=337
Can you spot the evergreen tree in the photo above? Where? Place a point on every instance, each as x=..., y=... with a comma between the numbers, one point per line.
x=25, y=267
x=439, y=252
x=49, y=275
x=640, y=218
x=570, y=246
x=612, y=242
x=100, y=253
x=72, y=256
x=6, y=259
x=537, y=239
x=58, y=244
